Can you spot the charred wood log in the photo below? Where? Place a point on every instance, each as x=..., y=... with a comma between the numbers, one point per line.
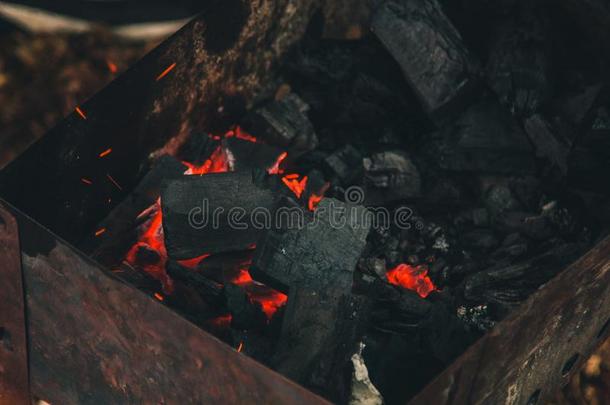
x=429, y=50
x=485, y=138
x=390, y=176
x=214, y=213
x=245, y=155
x=507, y=286
x=315, y=265
x=284, y=123
x=519, y=62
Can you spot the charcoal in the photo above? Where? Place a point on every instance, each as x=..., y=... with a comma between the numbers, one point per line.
x=577, y=106
x=244, y=313
x=344, y=163
x=208, y=289
x=507, y=286
x=480, y=217
x=589, y=161
x=429, y=50
x=499, y=198
x=373, y=266
x=245, y=155
x=549, y=144
x=320, y=332
x=315, y=266
x=390, y=176
x=324, y=252
x=485, y=138
x=519, y=63
x=480, y=239
x=197, y=148
x=537, y=227
x=284, y=123
x=198, y=212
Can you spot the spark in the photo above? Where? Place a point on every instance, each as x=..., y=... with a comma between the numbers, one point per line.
x=159, y=296
x=100, y=231
x=240, y=347
x=86, y=181
x=111, y=66
x=106, y=152
x=80, y=112
x=166, y=71
x=114, y=182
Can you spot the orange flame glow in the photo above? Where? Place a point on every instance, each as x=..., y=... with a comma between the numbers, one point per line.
x=80, y=112
x=293, y=183
x=413, y=278
x=166, y=71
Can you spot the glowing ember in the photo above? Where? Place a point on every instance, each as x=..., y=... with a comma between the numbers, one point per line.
x=413, y=278
x=113, y=181
x=100, y=231
x=159, y=296
x=193, y=263
x=86, y=181
x=293, y=183
x=166, y=71
x=240, y=347
x=315, y=199
x=111, y=66
x=81, y=113
x=275, y=168
x=106, y=152
x=217, y=163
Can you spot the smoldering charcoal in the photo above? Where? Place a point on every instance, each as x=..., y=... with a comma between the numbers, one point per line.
x=393, y=191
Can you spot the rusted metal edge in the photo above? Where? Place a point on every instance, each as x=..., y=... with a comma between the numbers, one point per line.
x=93, y=339
x=14, y=386
x=527, y=357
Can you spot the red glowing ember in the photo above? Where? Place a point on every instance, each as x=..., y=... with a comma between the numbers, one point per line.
x=113, y=181
x=152, y=240
x=106, y=152
x=193, y=263
x=293, y=183
x=413, y=278
x=81, y=113
x=112, y=67
x=166, y=71
x=100, y=231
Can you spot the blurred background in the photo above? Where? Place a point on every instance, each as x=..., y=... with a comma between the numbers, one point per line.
x=55, y=54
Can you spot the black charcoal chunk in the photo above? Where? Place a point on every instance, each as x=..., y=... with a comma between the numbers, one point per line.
x=507, y=286
x=244, y=313
x=213, y=213
x=429, y=50
x=344, y=163
x=549, y=143
x=285, y=124
x=208, y=289
x=485, y=138
x=324, y=251
x=519, y=62
x=390, y=176
x=315, y=266
x=245, y=155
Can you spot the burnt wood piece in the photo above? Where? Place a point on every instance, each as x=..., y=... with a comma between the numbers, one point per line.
x=506, y=286
x=322, y=252
x=390, y=176
x=246, y=155
x=214, y=213
x=429, y=50
x=345, y=164
x=315, y=266
x=14, y=383
x=591, y=17
x=549, y=142
x=223, y=59
x=210, y=290
x=518, y=69
x=485, y=138
x=121, y=345
x=284, y=123
x=533, y=352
